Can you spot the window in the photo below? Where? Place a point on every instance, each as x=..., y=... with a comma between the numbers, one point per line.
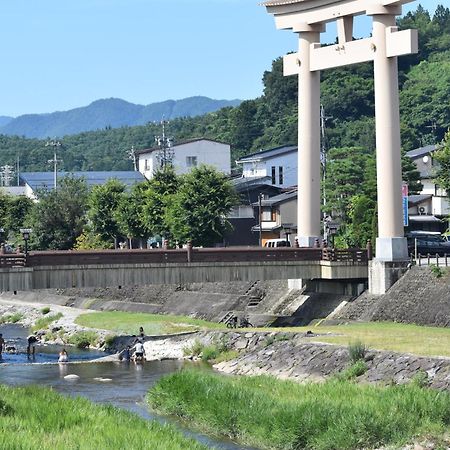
x=266, y=214
x=191, y=161
x=146, y=164
x=273, y=175
x=280, y=175
x=273, y=214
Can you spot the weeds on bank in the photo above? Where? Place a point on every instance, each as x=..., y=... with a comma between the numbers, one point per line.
x=217, y=351
x=270, y=413
x=44, y=322
x=45, y=310
x=11, y=318
x=437, y=271
x=83, y=339
x=36, y=418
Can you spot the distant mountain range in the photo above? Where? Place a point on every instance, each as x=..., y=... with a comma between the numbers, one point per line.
x=111, y=112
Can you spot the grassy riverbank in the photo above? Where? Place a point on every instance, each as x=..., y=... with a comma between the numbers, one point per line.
x=156, y=324
x=36, y=418
x=270, y=413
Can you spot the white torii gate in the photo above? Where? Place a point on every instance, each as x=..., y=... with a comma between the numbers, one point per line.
x=308, y=19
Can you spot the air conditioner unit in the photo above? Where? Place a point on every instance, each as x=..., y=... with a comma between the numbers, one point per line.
x=423, y=210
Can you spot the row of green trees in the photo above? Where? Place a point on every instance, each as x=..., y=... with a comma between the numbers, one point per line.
x=179, y=208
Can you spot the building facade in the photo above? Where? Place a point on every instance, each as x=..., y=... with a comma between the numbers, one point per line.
x=185, y=156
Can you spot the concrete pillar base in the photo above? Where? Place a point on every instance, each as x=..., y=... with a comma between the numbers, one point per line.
x=383, y=275
x=307, y=241
x=392, y=249
x=296, y=283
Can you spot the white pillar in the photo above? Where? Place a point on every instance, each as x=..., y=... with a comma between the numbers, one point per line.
x=308, y=203
x=391, y=245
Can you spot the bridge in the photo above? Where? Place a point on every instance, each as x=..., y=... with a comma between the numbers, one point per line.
x=114, y=268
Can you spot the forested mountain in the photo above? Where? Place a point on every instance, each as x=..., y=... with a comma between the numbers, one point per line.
x=107, y=113
x=270, y=120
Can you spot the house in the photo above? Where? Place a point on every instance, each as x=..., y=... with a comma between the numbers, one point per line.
x=278, y=216
x=427, y=210
x=33, y=181
x=185, y=156
x=280, y=164
x=242, y=217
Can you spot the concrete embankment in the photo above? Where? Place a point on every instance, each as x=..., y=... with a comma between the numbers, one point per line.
x=294, y=356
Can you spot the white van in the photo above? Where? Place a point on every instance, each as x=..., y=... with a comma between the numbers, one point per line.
x=272, y=243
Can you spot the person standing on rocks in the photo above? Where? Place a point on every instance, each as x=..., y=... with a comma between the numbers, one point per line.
x=31, y=348
x=141, y=332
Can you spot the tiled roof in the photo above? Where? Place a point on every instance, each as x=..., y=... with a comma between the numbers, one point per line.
x=281, y=198
x=422, y=151
x=267, y=154
x=45, y=180
x=187, y=141
x=416, y=199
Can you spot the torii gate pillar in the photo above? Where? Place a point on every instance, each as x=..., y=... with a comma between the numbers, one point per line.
x=308, y=18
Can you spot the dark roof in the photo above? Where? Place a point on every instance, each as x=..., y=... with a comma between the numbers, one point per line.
x=270, y=153
x=416, y=199
x=45, y=180
x=280, y=198
x=422, y=151
x=245, y=182
x=187, y=141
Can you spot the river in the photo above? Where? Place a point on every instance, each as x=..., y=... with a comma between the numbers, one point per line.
x=128, y=385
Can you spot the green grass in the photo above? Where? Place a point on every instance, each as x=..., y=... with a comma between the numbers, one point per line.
x=83, y=339
x=44, y=322
x=35, y=418
x=270, y=413
x=11, y=318
x=45, y=310
x=153, y=324
x=399, y=337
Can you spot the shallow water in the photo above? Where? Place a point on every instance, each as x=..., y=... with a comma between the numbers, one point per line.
x=127, y=388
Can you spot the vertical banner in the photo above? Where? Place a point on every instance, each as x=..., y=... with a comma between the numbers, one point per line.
x=405, y=204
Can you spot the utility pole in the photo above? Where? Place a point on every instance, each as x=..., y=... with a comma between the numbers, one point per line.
x=260, y=197
x=323, y=160
x=165, y=155
x=55, y=160
x=433, y=128
x=18, y=169
x=132, y=155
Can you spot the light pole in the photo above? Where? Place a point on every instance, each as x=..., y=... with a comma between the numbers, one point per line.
x=26, y=235
x=55, y=145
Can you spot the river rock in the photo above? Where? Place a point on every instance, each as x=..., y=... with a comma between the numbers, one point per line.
x=72, y=377
x=103, y=380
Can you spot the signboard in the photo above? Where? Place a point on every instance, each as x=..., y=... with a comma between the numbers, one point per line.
x=405, y=204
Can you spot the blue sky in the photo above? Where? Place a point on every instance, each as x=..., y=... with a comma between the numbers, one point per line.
x=59, y=55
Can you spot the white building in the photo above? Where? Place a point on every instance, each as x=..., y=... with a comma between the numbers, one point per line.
x=280, y=164
x=436, y=201
x=187, y=155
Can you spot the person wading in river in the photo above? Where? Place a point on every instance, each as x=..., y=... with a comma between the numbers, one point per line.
x=31, y=348
x=2, y=345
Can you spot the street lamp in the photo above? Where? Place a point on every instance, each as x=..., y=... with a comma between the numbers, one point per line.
x=26, y=235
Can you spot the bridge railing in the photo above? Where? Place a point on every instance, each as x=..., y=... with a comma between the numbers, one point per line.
x=158, y=256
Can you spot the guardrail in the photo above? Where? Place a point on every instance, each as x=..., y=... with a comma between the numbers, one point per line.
x=428, y=260
x=228, y=254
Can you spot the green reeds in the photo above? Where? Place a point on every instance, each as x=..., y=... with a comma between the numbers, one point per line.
x=45, y=321
x=270, y=413
x=36, y=418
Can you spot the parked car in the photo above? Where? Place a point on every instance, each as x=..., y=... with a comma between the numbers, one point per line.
x=273, y=243
x=428, y=244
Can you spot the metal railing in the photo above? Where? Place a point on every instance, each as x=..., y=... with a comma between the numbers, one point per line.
x=185, y=255
x=428, y=260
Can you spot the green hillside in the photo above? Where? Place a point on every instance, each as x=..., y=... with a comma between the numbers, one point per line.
x=270, y=120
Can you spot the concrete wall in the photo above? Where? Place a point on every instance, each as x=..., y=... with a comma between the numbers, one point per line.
x=106, y=275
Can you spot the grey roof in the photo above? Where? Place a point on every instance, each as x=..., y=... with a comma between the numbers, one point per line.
x=270, y=153
x=422, y=151
x=276, y=199
x=281, y=2
x=45, y=180
x=416, y=199
x=423, y=218
x=244, y=182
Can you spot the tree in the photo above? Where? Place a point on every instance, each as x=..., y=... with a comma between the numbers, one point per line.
x=442, y=157
x=58, y=217
x=198, y=210
x=104, y=201
x=156, y=197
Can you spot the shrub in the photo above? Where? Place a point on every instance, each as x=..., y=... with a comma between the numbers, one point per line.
x=355, y=370
x=83, y=339
x=437, y=271
x=268, y=341
x=420, y=379
x=210, y=352
x=45, y=310
x=357, y=351
x=109, y=340
x=11, y=318
x=194, y=350
x=44, y=322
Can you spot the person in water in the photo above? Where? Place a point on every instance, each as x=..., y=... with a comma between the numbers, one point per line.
x=31, y=348
x=139, y=351
x=63, y=356
x=125, y=354
x=2, y=345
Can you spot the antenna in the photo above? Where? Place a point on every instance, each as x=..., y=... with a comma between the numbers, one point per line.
x=165, y=154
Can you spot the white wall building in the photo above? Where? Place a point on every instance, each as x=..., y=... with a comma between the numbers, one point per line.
x=280, y=164
x=187, y=155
